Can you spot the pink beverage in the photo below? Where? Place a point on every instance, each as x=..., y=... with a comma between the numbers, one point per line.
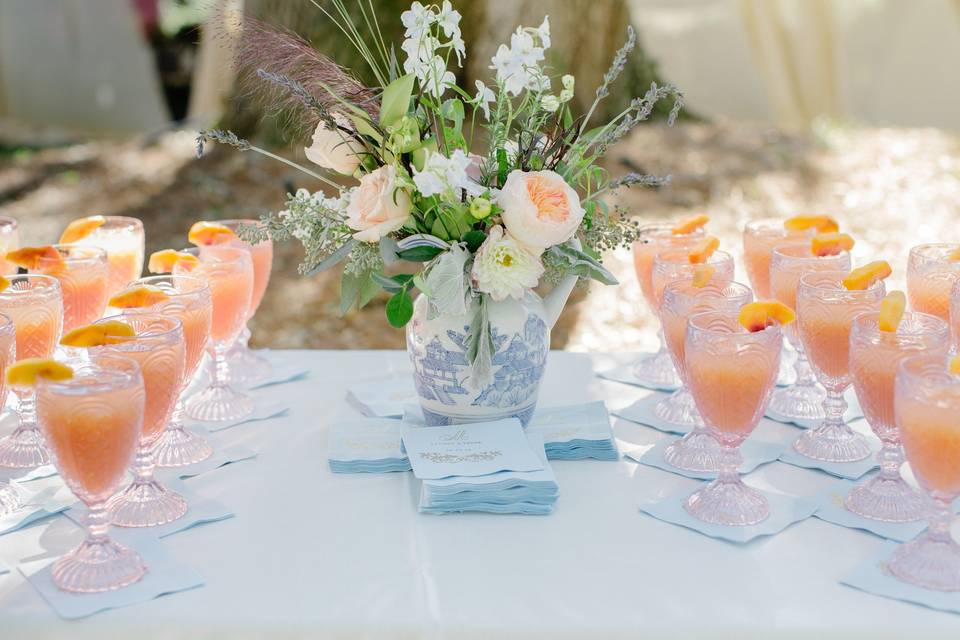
x=931, y=274
x=9, y=240
x=655, y=238
x=81, y=272
x=825, y=313
x=731, y=373
x=926, y=406
x=9, y=498
x=228, y=271
x=955, y=316
x=670, y=266
x=123, y=240
x=874, y=357
x=92, y=424
x=262, y=256
x=760, y=237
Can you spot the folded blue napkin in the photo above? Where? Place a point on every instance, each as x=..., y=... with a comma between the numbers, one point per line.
x=263, y=411
x=641, y=412
x=871, y=577
x=36, y=504
x=165, y=575
x=4, y=568
x=200, y=510
x=830, y=507
x=784, y=511
x=853, y=412
x=755, y=453
x=221, y=457
x=575, y=432
x=523, y=492
x=369, y=445
x=848, y=470
x=383, y=397
x=8, y=474
x=282, y=373
x=627, y=375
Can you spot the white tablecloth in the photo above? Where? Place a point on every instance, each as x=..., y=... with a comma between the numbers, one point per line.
x=311, y=553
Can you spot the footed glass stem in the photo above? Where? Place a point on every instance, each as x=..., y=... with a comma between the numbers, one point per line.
x=787, y=373
x=99, y=563
x=145, y=502
x=803, y=400
x=887, y=496
x=244, y=367
x=219, y=402
x=727, y=500
x=679, y=408
x=833, y=440
x=696, y=451
x=932, y=560
x=656, y=369
x=9, y=500
x=25, y=447
x=177, y=447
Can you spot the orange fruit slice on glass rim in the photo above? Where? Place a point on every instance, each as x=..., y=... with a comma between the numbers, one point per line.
x=757, y=316
x=81, y=228
x=24, y=373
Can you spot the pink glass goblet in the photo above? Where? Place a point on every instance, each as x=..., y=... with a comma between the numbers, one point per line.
x=931, y=273
x=955, y=316
x=123, y=240
x=9, y=499
x=82, y=272
x=731, y=373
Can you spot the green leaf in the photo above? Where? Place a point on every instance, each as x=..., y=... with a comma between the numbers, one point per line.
x=393, y=284
x=419, y=254
x=580, y=263
x=452, y=110
x=356, y=290
x=420, y=155
x=399, y=309
x=334, y=258
x=438, y=229
x=501, y=166
x=395, y=100
x=474, y=239
x=365, y=127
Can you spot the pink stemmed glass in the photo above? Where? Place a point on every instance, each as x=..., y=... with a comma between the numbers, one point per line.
x=82, y=272
x=670, y=266
x=926, y=405
x=874, y=356
x=9, y=500
x=825, y=313
x=731, y=373
x=34, y=304
x=189, y=301
x=244, y=367
x=657, y=369
x=955, y=316
x=931, y=273
x=159, y=348
x=9, y=240
x=229, y=273
x=803, y=400
x=760, y=237
x=92, y=422
x=697, y=450
x=123, y=240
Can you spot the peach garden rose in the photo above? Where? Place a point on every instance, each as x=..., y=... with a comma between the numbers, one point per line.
x=333, y=150
x=540, y=209
x=378, y=206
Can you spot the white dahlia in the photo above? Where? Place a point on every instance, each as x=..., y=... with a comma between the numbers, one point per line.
x=503, y=268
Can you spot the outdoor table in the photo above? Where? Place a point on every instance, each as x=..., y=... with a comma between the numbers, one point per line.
x=312, y=553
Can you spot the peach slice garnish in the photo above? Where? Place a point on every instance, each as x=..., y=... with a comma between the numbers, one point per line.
x=139, y=296
x=691, y=224
x=954, y=255
x=830, y=244
x=891, y=311
x=97, y=335
x=164, y=261
x=205, y=233
x=81, y=228
x=30, y=258
x=757, y=316
x=702, y=274
x=823, y=224
x=702, y=251
x=862, y=278
x=24, y=373
x=4, y=283
x=955, y=365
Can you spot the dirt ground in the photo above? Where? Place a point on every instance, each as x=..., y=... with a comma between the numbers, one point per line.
x=891, y=189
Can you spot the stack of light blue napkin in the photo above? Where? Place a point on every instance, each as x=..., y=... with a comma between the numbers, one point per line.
x=524, y=492
x=575, y=432
x=371, y=445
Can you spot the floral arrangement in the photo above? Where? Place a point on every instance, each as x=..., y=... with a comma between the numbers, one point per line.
x=491, y=191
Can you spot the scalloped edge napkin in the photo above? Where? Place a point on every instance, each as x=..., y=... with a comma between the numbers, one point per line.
x=383, y=397
x=625, y=374
x=870, y=577
x=165, y=575
x=221, y=457
x=366, y=445
x=261, y=412
x=846, y=470
x=785, y=510
x=853, y=412
x=755, y=454
x=8, y=474
x=282, y=373
x=830, y=508
x=36, y=505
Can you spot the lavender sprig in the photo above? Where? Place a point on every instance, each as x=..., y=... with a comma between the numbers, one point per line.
x=223, y=137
